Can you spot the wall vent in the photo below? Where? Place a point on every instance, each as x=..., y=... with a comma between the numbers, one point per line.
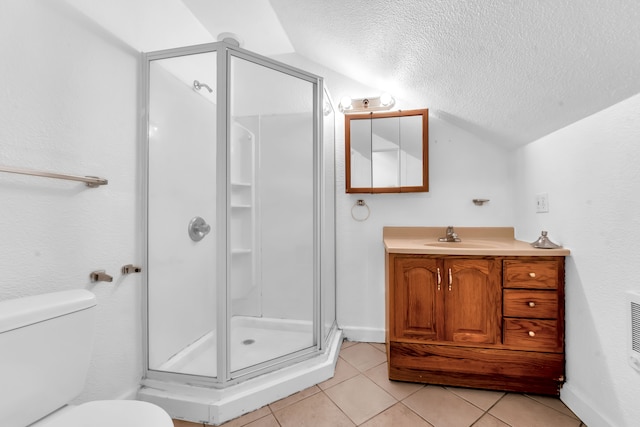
x=634, y=329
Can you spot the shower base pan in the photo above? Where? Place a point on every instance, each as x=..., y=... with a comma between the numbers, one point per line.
x=253, y=340
x=217, y=405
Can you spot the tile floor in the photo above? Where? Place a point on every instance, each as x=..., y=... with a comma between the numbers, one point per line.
x=361, y=395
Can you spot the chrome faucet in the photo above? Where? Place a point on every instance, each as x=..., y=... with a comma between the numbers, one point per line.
x=451, y=236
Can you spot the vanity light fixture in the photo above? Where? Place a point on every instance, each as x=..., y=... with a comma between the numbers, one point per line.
x=362, y=105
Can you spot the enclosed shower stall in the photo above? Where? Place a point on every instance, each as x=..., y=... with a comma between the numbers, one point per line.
x=239, y=231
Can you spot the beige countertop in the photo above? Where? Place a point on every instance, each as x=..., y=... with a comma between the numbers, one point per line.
x=498, y=241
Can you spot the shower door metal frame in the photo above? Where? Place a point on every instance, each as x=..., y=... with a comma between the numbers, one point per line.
x=225, y=377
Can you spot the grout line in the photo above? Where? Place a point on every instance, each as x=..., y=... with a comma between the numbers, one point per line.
x=551, y=407
x=497, y=401
x=273, y=414
x=451, y=388
x=492, y=406
x=340, y=409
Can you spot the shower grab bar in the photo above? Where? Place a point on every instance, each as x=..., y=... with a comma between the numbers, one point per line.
x=91, y=181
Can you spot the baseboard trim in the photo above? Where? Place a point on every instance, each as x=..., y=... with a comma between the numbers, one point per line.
x=583, y=407
x=363, y=334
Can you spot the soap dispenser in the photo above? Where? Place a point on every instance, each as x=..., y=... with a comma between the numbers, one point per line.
x=543, y=242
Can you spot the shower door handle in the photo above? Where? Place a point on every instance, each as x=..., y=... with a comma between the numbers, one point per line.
x=198, y=228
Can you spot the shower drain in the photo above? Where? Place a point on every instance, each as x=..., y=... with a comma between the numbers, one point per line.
x=248, y=342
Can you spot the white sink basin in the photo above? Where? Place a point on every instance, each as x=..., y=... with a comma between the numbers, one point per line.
x=464, y=245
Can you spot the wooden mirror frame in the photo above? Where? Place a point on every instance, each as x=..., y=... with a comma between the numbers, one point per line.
x=424, y=187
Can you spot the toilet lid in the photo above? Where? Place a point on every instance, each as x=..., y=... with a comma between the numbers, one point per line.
x=112, y=413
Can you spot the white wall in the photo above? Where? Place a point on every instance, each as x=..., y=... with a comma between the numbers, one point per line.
x=591, y=172
x=68, y=99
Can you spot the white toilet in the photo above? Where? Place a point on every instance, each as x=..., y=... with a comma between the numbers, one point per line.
x=45, y=348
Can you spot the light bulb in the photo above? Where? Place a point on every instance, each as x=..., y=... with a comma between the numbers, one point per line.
x=345, y=102
x=385, y=99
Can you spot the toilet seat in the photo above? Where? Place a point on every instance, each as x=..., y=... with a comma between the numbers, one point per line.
x=109, y=413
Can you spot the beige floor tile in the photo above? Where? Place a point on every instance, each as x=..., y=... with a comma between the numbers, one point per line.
x=360, y=398
x=346, y=344
x=380, y=346
x=553, y=402
x=442, y=408
x=489, y=421
x=268, y=421
x=397, y=416
x=398, y=389
x=248, y=418
x=343, y=371
x=520, y=411
x=181, y=423
x=314, y=411
x=294, y=398
x=483, y=399
x=363, y=356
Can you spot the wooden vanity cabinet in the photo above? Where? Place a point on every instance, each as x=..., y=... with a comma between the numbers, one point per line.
x=472, y=321
x=456, y=300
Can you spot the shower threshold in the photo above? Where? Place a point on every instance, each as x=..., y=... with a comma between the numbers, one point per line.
x=215, y=406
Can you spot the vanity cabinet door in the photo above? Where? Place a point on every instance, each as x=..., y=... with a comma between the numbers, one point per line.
x=456, y=300
x=418, y=298
x=473, y=300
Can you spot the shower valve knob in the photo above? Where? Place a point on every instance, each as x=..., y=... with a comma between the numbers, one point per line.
x=198, y=228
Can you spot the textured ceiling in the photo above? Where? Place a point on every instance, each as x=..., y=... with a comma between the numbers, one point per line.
x=510, y=71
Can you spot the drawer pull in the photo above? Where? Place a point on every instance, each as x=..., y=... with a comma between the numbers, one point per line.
x=532, y=304
x=532, y=275
x=532, y=334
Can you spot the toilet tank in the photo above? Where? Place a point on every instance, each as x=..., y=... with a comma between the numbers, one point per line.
x=45, y=348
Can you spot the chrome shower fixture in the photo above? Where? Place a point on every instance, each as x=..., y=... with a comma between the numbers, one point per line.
x=197, y=86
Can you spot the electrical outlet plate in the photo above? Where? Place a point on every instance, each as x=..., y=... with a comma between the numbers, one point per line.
x=542, y=202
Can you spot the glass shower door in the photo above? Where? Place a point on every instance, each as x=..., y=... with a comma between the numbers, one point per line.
x=181, y=215
x=272, y=240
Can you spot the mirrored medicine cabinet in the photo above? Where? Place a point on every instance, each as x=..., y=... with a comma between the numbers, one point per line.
x=387, y=152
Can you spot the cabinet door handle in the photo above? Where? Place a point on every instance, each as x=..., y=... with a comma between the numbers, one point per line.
x=439, y=278
x=532, y=304
x=532, y=334
x=532, y=275
x=450, y=279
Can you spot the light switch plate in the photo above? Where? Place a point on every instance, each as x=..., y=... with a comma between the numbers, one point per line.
x=542, y=202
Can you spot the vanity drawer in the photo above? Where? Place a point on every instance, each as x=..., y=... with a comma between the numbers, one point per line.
x=532, y=333
x=533, y=304
x=530, y=274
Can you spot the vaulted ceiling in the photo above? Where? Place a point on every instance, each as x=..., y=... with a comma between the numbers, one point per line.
x=509, y=71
